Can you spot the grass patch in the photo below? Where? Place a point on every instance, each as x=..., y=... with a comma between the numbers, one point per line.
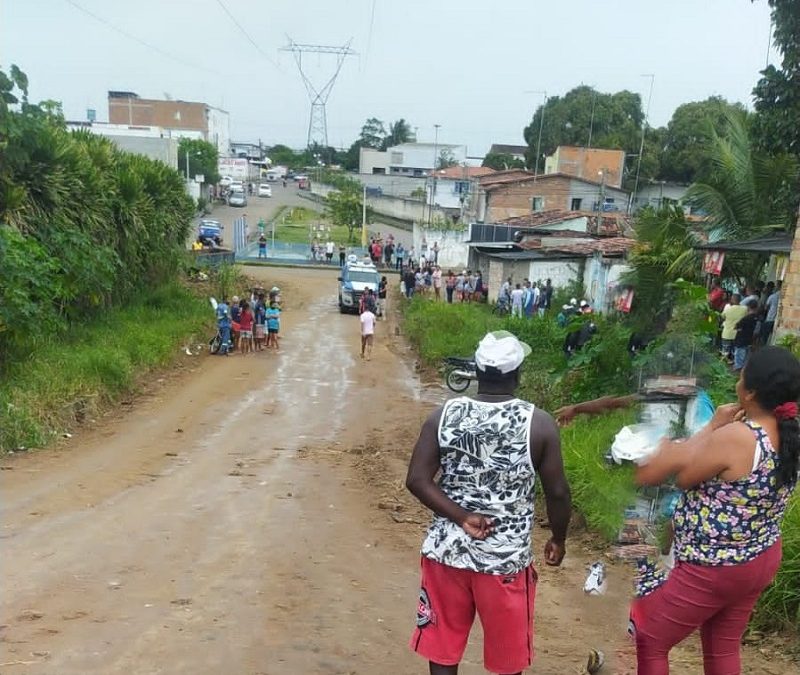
x=779, y=606
x=599, y=492
x=292, y=226
x=65, y=381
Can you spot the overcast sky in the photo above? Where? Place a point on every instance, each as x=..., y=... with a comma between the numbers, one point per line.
x=465, y=64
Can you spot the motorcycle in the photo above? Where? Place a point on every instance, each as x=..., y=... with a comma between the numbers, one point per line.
x=459, y=372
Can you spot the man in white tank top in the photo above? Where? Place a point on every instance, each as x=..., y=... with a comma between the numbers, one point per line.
x=477, y=553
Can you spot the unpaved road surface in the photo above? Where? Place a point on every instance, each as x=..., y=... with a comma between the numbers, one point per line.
x=248, y=516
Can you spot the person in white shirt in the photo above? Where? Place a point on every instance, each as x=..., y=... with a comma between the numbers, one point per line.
x=330, y=247
x=537, y=298
x=367, y=334
x=771, y=307
x=516, y=301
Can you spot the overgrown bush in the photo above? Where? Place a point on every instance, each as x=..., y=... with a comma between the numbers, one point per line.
x=83, y=225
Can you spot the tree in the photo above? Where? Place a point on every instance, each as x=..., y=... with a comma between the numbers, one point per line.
x=746, y=192
x=446, y=158
x=500, y=161
x=344, y=207
x=616, y=122
x=777, y=93
x=741, y=197
x=399, y=132
x=372, y=133
x=283, y=155
x=686, y=153
x=203, y=159
x=663, y=254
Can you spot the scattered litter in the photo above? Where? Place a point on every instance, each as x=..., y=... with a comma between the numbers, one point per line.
x=596, y=661
x=43, y=655
x=6, y=468
x=181, y=601
x=170, y=454
x=187, y=351
x=178, y=430
x=390, y=506
x=149, y=604
x=66, y=435
x=403, y=519
x=114, y=585
x=596, y=582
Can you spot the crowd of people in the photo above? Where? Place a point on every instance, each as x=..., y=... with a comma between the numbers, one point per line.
x=746, y=318
x=250, y=325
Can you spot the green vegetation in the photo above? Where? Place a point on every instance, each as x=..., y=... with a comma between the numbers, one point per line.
x=69, y=379
x=293, y=226
x=83, y=226
x=203, y=159
x=91, y=240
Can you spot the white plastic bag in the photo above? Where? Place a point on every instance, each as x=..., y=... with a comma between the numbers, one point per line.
x=636, y=442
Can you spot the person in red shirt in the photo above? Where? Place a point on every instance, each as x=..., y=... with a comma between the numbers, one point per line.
x=246, y=329
x=716, y=297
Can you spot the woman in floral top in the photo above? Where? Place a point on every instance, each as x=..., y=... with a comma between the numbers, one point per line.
x=737, y=475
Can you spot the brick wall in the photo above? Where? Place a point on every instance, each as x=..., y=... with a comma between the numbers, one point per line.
x=789, y=317
x=151, y=112
x=515, y=199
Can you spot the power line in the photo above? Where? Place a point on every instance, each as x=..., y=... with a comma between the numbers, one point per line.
x=246, y=34
x=139, y=40
x=369, y=35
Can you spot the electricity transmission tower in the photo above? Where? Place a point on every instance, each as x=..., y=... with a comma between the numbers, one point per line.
x=318, y=122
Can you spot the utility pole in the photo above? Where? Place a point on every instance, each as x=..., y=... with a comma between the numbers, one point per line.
x=641, y=145
x=318, y=122
x=364, y=217
x=541, y=126
x=187, y=167
x=435, y=161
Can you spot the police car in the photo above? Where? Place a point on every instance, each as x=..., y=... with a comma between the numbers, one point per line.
x=357, y=277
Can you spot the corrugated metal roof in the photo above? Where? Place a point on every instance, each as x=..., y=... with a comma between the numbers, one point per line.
x=777, y=243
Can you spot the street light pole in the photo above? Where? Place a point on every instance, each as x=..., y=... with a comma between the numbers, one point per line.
x=435, y=160
x=539, y=139
x=641, y=145
x=187, y=166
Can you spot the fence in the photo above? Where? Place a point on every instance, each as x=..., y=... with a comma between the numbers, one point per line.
x=283, y=252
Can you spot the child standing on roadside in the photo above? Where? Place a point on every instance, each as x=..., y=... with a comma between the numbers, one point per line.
x=260, y=333
x=246, y=328
x=273, y=325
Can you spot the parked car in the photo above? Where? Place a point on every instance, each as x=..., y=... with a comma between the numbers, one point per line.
x=300, y=177
x=225, y=181
x=264, y=190
x=238, y=198
x=209, y=231
x=236, y=186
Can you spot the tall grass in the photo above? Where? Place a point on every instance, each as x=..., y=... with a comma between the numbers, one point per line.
x=64, y=381
x=601, y=493
x=779, y=606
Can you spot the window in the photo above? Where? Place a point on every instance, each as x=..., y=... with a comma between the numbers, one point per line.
x=461, y=187
x=576, y=204
x=537, y=203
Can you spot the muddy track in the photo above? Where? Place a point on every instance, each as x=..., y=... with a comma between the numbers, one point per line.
x=248, y=516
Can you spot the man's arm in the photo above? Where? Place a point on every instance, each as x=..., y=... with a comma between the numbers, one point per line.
x=422, y=469
x=595, y=407
x=547, y=460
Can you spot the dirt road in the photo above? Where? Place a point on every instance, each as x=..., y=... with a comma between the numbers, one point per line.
x=248, y=516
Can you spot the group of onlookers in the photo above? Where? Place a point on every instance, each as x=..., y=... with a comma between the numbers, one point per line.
x=527, y=298
x=747, y=318
x=250, y=325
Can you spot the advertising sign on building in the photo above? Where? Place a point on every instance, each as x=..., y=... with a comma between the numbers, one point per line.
x=713, y=261
x=234, y=167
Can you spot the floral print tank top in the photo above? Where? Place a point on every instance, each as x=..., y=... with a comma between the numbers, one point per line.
x=731, y=522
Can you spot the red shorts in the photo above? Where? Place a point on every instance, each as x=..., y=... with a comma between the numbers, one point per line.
x=448, y=599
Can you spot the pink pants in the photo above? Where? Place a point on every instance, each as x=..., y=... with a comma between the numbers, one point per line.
x=716, y=599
